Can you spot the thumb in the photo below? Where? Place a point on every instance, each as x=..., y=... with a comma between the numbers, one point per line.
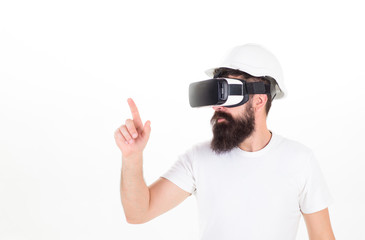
x=147, y=130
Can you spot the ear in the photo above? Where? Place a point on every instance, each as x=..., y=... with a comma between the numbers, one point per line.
x=259, y=102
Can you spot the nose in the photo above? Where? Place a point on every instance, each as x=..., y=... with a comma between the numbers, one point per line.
x=218, y=108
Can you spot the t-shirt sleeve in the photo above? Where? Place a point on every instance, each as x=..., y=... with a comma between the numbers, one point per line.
x=315, y=195
x=181, y=173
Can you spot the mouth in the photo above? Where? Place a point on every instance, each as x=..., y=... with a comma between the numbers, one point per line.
x=221, y=120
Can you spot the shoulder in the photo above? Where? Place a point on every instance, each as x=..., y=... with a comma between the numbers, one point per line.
x=291, y=146
x=293, y=155
x=199, y=148
x=296, y=158
x=199, y=152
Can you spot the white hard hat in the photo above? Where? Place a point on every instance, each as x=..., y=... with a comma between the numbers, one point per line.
x=258, y=62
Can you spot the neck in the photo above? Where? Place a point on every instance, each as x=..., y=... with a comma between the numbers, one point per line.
x=258, y=139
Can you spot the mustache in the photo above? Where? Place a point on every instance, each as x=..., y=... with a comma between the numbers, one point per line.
x=218, y=114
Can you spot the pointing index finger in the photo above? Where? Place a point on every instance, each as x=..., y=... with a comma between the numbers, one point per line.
x=135, y=114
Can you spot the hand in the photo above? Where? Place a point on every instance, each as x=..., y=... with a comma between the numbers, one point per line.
x=132, y=137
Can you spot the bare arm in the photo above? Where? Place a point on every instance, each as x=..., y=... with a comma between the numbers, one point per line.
x=164, y=195
x=141, y=203
x=133, y=190
x=319, y=225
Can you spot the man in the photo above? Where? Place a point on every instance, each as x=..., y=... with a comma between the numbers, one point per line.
x=250, y=183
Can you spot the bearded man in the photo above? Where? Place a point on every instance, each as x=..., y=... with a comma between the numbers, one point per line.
x=250, y=182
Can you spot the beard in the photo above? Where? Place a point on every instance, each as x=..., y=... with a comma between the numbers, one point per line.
x=230, y=133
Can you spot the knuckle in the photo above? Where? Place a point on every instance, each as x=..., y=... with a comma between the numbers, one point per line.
x=125, y=132
x=130, y=126
x=117, y=136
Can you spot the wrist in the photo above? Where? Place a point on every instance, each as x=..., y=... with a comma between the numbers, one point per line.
x=135, y=157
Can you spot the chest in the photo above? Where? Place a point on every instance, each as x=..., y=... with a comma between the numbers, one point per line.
x=248, y=185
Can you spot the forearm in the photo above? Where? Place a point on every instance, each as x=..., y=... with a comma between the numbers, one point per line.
x=133, y=189
x=323, y=236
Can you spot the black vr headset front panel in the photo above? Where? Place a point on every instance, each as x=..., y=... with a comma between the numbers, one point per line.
x=208, y=92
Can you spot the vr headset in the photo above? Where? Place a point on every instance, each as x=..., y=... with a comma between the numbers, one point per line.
x=226, y=92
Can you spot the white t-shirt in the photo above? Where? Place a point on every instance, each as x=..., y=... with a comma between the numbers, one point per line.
x=252, y=195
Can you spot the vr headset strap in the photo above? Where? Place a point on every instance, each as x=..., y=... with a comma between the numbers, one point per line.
x=235, y=89
x=251, y=88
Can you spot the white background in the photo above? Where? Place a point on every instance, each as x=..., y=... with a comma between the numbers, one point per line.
x=68, y=67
